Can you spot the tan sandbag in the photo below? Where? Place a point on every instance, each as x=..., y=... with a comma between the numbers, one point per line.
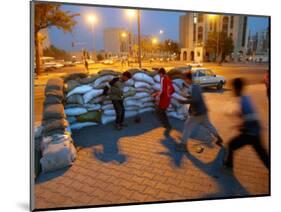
x=94, y=116
x=50, y=99
x=70, y=85
x=54, y=84
x=55, y=125
x=54, y=111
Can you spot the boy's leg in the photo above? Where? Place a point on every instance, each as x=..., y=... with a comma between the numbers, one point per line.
x=256, y=142
x=236, y=143
x=117, y=109
x=207, y=124
x=122, y=111
x=162, y=116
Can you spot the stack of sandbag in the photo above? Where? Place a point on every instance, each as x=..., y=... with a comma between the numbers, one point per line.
x=85, y=103
x=54, y=125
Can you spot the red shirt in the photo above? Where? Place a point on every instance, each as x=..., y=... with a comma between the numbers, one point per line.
x=167, y=89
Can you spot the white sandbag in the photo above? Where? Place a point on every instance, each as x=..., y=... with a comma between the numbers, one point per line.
x=157, y=78
x=177, y=89
x=142, y=94
x=175, y=115
x=140, y=84
x=147, y=109
x=80, y=90
x=179, y=82
x=150, y=90
x=143, y=77
x=71, y=119
x=157, y=86
x=178, y=97
x=175, y=102
x=107, y=119
x=148, y=104
x=57, y=157
x=102, y=80
x=130, y=108
x=107, y=107
x=132, y=102
x=109, y=112
x=102, y=85
x=131, y=97
x=75, y=111
x=132, y=113
x=130, y=82
x=54, y=139
x=91, y=107
x=146, y=99
x=128, y=88
x=80, y=125
x=91, y=94
x=106, y=102
x=183, y=110
x=98, y=99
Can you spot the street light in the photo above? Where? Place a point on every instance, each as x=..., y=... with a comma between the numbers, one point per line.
x=154, y=40
x=92, y=20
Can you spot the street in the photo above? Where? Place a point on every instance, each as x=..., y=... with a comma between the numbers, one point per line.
x=252, y=73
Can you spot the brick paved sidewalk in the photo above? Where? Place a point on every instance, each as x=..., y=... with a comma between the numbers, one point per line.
x=139, y=164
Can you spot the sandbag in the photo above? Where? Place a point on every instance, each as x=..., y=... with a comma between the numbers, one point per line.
x=38, y=131
x=75, y=111
x=54, y=111
x=55, y=125
x=74, y=76
x=143, y=77
x=147, y=109
x=60, y=131
x=107, y=72
x=91, y=94
x=130, y=82
x=109, y=112
x=57, y=157
x=98, y=99
x=71, y=119
x=70, y=85
x=80, y=125
x=80, y=90
x=107, y=107
x=131, y=113
x=54, y=84
x=53, y=139
x=92, y=116
x=146, y=99
x=148, y=104
x=179, y=82
x=139, y=84
x=56, y=93
x=107, y=119
x=92, y=107
x=75, y=99
x=103, y=79
x=178, y=97
x=130, y=108
x=132, y=102
x=176, y=115
x=67, y=106
x=142, y=94
x=145, y=90
x=157, y=78
x=50, y=99
x=88, y=80
x=157, y=86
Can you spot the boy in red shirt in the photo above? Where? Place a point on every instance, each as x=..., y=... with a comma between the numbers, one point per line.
x=164, y=99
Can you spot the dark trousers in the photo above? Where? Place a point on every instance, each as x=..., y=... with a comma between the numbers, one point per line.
x=163, y=118
x=242, y=140
x=120, y=111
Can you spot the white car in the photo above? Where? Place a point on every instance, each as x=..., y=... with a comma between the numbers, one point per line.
x=207, y=78
x=107, y=62
x=195, y=64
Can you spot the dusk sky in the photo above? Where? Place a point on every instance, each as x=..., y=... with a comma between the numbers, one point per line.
x=151, y=23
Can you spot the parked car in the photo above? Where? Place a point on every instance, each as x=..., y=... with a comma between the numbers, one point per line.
x=107, y=62
x=207, y=78
x=195, y=64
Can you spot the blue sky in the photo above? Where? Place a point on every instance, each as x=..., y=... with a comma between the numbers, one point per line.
x=151, y=23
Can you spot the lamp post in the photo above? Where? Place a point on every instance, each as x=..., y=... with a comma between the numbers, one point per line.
x=92, y=21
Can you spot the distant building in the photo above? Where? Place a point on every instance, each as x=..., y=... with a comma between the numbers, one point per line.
x=116, y=41
x=195, y=27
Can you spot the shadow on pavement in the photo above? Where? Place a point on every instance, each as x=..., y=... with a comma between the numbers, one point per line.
x=44, y=177
x=214, y=90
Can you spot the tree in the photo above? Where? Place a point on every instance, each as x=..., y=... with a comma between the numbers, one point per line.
x=47, y=15
x=221, y=41
x=57, y=53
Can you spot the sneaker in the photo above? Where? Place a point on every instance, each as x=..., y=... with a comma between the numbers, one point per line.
x=181, y=147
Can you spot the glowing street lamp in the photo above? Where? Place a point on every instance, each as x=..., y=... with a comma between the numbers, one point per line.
x=123, y=34
x=131, y=13
x=92, y=20
x=154, y=40
x=161, y=31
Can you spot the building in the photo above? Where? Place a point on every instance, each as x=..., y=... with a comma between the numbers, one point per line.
x=116, y=41
x=194, y=29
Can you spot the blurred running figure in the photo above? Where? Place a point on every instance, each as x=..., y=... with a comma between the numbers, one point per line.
x=267, y=85
x=249, y=128
x=164, y=97
x=198, y=114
